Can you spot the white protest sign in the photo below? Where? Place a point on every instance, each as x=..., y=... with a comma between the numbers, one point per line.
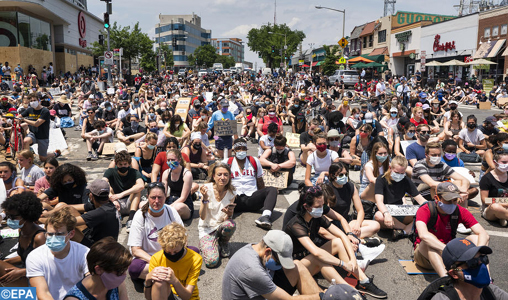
x=111, y=91
x=209, y=96
x=56, y=141
x=464, y=172
x=404, y=144
x=232, y=107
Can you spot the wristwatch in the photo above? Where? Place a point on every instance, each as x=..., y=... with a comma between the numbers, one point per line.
x=147, y=286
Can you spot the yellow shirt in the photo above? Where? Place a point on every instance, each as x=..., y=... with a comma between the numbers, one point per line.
x=187, y=269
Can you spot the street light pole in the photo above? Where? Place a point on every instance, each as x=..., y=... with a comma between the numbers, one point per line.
x=311, y=58
x=341, y=11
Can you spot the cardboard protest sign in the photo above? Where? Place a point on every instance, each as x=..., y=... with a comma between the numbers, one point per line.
x=56, y=141
x=208, y=96
x=109, y=148
x=224, y=127
x=496, y=200
x=293, y=140
x=182, y=108
x=55, y=92
x=278, y=179
x=111, y=91
x=402, y=210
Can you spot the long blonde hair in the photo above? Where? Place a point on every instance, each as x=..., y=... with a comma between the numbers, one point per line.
x=375, y=162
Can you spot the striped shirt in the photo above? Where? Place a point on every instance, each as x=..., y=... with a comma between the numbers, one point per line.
x=440, y=172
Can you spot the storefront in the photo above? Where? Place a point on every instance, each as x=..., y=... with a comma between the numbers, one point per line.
x=405, y=49
x=446, y=41
x=34, y=32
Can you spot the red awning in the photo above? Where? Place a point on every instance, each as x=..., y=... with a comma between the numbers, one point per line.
x=314, y=63
x=379, y=51
x=305, y=66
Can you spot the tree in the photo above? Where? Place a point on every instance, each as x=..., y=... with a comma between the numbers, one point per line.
x=148, y=61
x=226, y=60
x=205, y=55
x=331, y=57
x=167, y=55
x=191, y=59
x=261, y=41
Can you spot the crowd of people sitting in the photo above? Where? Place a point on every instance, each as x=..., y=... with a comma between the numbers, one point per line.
x=408, y=141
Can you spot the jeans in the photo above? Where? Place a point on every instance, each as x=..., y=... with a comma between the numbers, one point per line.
x=264, y=198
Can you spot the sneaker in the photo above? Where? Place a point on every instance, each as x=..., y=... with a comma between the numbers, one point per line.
x=363, y=264
x=372, y=242
x=463, y=230
x=89, y=156
x=77, y=128
x=264, y=222
x=371, y=289
x=503, y=223
x=128, y=225
x=369, y=254
x=398, y=234
x=224, y=250
x=94, y=157
x=58, y=153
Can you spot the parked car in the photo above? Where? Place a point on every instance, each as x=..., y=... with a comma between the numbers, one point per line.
x=226, y=71
x=350, y=77
x=232, y=70
x=181, y=72
x=202, y=72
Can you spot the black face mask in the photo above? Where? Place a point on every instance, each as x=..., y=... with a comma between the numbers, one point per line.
x=174, y=257
x=453, y=107
x=122, y=169
x=196, y=146
x=69, y=185
x=471, y=125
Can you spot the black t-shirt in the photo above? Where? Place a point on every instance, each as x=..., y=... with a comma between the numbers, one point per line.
x=335, y=121
x=488, y=132
x=393, y=193
x=62, y=111
x=121, y=183
x=305, y=138
x=41, y=132
x=294, y=110
x=375, y=125
x=344, y=196
x=495, y=188
x=5, y=108
x=130, y=131
x=292, y=211
x=108, y=115
x=102, y=221
x=71, y=196
x=297, y=227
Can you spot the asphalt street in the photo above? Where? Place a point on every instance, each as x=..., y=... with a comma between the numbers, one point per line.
x=389, y=274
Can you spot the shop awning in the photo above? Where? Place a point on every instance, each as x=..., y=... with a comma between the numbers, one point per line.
x=379, y=51
x=368, y=29
x=360, y=59
x=319, y=63
x=484, y=50
x=499, y=44
x=314, y=63
x=505, y=53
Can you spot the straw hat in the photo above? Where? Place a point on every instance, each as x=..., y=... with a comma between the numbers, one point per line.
x=63, y=99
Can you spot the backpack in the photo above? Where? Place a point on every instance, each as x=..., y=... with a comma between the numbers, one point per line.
x=284, y=154
x=444, y=285
x=454, y=220
x=251, y=160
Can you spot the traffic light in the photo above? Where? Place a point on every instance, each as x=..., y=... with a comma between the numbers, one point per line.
x=101, y=40
x=106, y=20
x=273, y=49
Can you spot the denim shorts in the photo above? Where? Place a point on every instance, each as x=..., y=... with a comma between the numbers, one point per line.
x=224, y=142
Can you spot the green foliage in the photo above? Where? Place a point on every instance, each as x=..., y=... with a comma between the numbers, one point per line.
x=148, y=61
x=191, y=60
x=261, y=41
x=226, y=60
x=205, y=55
x=167, y=56
x=331, y=57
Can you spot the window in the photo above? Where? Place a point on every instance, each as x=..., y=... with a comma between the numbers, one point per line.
x=381, y=36
x=225, y=50
x=364, y=42
x=486, y=33
x=371, y=38
x=495, y=31
x=9, y=29
x=225, y=44
x=504, y=29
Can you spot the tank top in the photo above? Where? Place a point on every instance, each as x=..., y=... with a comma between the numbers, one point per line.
x=89, y=126
x=176, y=187
x=23, y=253
x=454, y=131
x=147, y=163
x=195, y=158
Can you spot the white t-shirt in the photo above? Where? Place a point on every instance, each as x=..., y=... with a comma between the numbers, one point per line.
x=60, y=274
x=214, y=214
x=266, y=139
x=95, y=132
x=245, y=183
x=145, y=231
x=475, y=136
x=322, y=164
x=369, y=165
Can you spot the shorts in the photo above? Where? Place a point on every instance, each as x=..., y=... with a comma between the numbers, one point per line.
x=280, y=280
x=125, y=205
x=400, y=218
x=137, y=266
x=224, y=142
x=421, y=260
x=42, y=144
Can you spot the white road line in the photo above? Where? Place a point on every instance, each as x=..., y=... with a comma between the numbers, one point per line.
x=497, y=233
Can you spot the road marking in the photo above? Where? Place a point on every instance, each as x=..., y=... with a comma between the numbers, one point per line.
x=497, y=233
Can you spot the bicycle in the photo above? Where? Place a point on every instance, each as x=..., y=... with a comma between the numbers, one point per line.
x=16, y=137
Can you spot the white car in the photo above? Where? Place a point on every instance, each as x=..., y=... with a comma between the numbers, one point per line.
x=202, y=72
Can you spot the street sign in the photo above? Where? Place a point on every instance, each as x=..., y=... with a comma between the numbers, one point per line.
x=281, y=65
x=342, y=60
x=343, y=42
x=108, y=57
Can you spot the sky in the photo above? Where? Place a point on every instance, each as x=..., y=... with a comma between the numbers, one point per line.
x=234, y=18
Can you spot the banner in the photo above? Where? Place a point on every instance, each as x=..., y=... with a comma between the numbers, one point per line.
x=293, y=140
x=224, y=127
x=278, y=179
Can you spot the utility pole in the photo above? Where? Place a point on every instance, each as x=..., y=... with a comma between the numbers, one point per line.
x=109, y=11
x=311, y=58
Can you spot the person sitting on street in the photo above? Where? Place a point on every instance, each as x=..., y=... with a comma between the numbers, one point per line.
x=472, y=139
x=135, y=131
x=178, y=182
x=416, y=151
x=266, y=141
x=97, y=138
x=279, y=158
x=197, y=156
x=320, y=160
x=430, y=242
x=494, y=184
x=67, y=185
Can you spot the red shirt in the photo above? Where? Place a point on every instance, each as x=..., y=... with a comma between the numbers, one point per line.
x=422, y=121
x=266, y=120
x=443, y=230
x=162, y=161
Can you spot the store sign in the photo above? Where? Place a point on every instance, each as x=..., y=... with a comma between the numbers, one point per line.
x=403, y=37
x=442, y=47
x=405, y=18
x=82, y=29
x=468, y=59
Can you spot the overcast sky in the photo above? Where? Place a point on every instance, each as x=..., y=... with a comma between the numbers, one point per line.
x=234, y=18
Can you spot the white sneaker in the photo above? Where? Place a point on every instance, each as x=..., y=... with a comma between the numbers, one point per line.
x=463, y=230
x=369, y=254
x=503, y=223
x=363, y=264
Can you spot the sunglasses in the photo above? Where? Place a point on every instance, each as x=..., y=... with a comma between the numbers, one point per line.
x=334, y=139
x=151, y=185
x=474, y=262
x=424, y=132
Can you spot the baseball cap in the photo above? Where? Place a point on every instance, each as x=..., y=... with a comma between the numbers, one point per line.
x=423, y=95
x=99, y=188
x=91, y=97
x=197, y=102
x=281, y=243
x=368, y=117
x=425, y=106
x=333, y=133
x=448, y=191
x=394, y=109
x=195, y=135
x=419, y=104
x=492, y=120
x=461, y=250
x=343, y=292
x=224, y=102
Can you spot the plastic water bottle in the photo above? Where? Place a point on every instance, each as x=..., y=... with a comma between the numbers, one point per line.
x=333, y=282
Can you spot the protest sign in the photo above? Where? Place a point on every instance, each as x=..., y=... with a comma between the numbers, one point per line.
x=293, y=140
x=56, y=141
x=182, y=108
x=109, y=148
x=278, y=179
x=224, y=127
x=404, y=144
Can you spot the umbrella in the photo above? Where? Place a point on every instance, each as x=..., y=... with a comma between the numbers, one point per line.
x=359, y=65
x=305, y=66
x=374, y=65
x=360, y=59
x=481, y=62
x=433, y=63
x=454, y=62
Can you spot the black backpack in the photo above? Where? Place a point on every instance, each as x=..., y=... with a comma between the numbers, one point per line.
x=454, y=220
x=444, y=285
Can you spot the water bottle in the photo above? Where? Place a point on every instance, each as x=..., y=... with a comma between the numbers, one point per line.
x=333, y=282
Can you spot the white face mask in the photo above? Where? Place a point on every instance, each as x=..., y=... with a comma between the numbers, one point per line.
x=435, y=159
x=34, y=104
x=502, y=167
x=397, y=177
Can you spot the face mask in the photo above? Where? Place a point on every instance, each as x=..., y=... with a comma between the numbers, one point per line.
x=321, y=148
x=68, y=185
x=151, y=147
x=316, y=212
x=424, y=137
x=272, y=265
x=502, y=167
x=393, y=115
x=381, y=158
x=435, y=160
x=345, y=102
x=341, y=180
x=134, y=124
x=267, y=102
x=173, y=164
x=453, y=107
x=174, y=257
x=154, y=130
x=505, y=147
x=334, y=143
x=450, y=156
x=410, y=134
x=447, y=208
x=271, y=114
x=163, y=109
x=34, y=104
x=197, y=107
x=152, y=115
x=122, y=169
x=111, y=280
x=224, y=109
x=397, y=177
x=102, y=131
x=478, y=277
x=363, y=135
x=156, y=211
x=14, y=224
x=436, y=105
x=471, y=126
x=296, y=105
x=196, y=146
x=241, y=155
x=109, y=108
x=56, y=243
x=357, y=116
x=203, y=117
x=87, y=81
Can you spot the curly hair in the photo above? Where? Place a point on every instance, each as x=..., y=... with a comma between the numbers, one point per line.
x=170, y=140
x=26, y=204
x=172, y=236
x=122, y=156
x=75, y=172
x=108, y=254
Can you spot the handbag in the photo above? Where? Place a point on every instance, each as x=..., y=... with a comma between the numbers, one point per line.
x=471, y=157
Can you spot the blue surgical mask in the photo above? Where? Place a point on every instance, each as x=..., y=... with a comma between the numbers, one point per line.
x=447, y=208
x=411, y=135
x=56, y=243
x=505, y=147
x=397, y=177
x=393, y=114
x=109, y=108
x=173, y=164
x=241, y=155
x=341, y=180
x=154, y=130
x=156, y=211
x=151, y=147
x=14, y=224
x=478, y=277
x=297, y=105
x=272, y=265
x=316, y=212
x=381, y=158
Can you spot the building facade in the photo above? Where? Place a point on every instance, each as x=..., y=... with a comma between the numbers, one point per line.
x=183, y=34
x=34, y=32
x=230, y=47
